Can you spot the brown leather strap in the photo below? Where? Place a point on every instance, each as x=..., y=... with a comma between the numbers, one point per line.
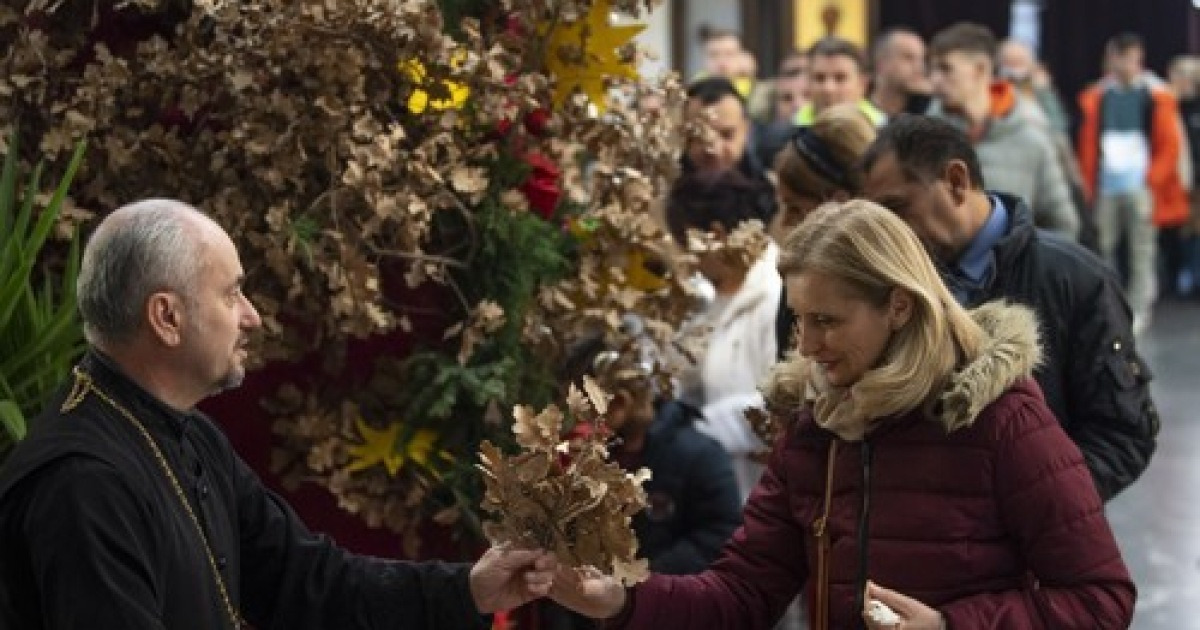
x=821, y=532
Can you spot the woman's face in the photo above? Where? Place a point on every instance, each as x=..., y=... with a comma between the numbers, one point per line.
x=842, y=332
x=793, y=208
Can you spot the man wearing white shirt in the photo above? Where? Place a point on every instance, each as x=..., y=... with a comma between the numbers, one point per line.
x=1129, y=147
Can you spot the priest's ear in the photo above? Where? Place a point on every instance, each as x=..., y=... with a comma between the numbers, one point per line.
x=165, y=317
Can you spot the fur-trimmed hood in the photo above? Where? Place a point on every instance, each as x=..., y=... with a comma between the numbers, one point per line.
x=1010, y=353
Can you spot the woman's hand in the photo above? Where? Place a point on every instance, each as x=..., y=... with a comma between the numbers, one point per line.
x=588, y=592
x=913, y=614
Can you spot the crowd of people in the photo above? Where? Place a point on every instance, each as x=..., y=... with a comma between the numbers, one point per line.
x=1130, y=203
x=944, y=323
x=948, y=353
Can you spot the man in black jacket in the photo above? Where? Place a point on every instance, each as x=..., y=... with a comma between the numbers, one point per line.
x=987, y=248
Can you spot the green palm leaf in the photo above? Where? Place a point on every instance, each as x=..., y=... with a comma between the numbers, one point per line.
x=40, y=336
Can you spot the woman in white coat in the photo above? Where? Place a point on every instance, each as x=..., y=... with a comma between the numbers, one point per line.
x=739, y=321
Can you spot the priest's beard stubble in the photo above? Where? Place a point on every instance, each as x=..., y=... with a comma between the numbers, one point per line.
x=235, y=374
x=232, y=379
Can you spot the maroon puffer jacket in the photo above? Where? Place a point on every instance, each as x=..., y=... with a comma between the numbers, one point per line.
x=998, y=525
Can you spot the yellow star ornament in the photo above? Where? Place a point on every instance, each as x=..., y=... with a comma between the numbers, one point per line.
x=639, y=276
x=378, y=447
x=420, y=100
x=584, y=53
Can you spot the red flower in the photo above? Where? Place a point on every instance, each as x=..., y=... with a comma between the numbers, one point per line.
x=535, y=121
x=541, y=187
x=579, y=434
x=514, y=26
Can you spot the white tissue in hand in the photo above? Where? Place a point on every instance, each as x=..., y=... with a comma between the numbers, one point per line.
x=881, y=614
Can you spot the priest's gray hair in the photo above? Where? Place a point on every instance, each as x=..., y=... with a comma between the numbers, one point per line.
x=138, y=250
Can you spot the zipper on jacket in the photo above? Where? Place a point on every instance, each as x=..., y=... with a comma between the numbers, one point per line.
x=864, y=535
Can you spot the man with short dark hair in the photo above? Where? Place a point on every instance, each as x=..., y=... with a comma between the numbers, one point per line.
x=1018, y=157
x=986, y=248
x=727, y=156
x=1130, y=142
x=722, y=47
x=791, y=87
x=901, y=83
x=837, y=74
x=788, y=92
x=125, y=508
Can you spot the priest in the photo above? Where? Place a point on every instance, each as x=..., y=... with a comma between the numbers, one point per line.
x=125, y=508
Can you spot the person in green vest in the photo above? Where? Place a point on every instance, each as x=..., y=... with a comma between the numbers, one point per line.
x=837, y=75
x=725, y=56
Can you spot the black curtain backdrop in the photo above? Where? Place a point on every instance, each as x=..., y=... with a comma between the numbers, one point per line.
x=1073, y=31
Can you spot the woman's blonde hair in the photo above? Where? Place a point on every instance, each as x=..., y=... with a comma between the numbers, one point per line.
x=844, y=133
x=873, y=252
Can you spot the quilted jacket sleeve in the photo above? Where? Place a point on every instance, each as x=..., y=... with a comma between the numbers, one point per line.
x=1076, y=578
x=759, y=572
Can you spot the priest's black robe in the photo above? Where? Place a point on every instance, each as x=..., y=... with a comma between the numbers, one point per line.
x=93, y=536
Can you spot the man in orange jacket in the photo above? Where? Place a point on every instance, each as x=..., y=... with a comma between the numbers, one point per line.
x=1129, y=148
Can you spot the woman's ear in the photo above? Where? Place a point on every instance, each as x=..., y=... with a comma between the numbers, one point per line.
x=900, y=308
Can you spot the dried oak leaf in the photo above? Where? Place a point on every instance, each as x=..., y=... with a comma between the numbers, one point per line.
x=537, y=431
x=742, y=247
x=766, y=427
x=577, y=403
x=596, y=395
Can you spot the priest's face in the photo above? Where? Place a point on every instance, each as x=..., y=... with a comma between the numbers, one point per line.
x=221, y=317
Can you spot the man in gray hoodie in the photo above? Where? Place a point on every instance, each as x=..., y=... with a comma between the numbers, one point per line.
x=1017, y=155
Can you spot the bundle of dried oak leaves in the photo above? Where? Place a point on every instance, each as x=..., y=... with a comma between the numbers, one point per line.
x=564, y=495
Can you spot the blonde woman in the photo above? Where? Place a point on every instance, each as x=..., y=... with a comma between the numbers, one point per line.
x=920, y=467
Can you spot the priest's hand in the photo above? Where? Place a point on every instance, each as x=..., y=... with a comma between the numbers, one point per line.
x=506, y=577
x=588, y=592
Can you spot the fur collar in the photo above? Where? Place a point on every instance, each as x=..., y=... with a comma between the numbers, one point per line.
x=1009, y=353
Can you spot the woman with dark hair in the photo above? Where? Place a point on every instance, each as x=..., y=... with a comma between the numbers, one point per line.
x=738, y=324
x=818, y=165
